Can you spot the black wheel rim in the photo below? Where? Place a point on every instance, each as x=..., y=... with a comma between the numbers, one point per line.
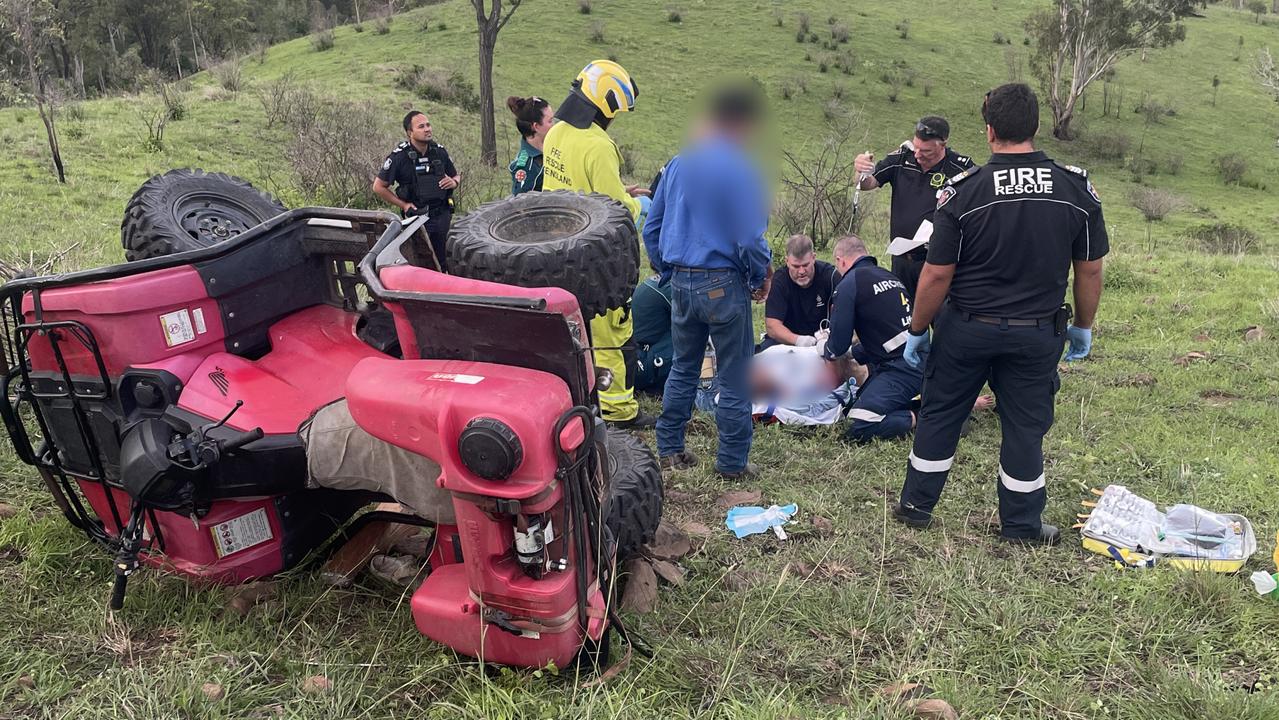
x=211, y=218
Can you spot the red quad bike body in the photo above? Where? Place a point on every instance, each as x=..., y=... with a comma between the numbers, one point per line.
x=492, y=382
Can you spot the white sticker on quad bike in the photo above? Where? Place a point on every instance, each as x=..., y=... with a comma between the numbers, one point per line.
x=241, y=533
x=177, y=327
x=457, y=378
x=198, y=315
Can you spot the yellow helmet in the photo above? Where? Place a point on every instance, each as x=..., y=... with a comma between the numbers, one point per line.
x=608, y=87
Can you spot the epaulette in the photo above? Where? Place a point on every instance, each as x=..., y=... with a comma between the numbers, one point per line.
x=403, y=144
x=521, y=159
x=1072, y=168
x=956, y=179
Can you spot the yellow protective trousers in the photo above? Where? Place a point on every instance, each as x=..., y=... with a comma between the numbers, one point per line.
x=610, y=330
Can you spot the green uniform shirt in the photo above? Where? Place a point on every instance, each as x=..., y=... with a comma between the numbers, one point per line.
x=526, y=169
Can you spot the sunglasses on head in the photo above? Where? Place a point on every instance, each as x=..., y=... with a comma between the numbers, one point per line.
x=926, y=132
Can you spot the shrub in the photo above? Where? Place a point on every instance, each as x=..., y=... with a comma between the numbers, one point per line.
x=425, y=25
x=153, y=121
x=322, y=40
x=808, y=56
x=335, y=146
x=584, y=6
x=1224, y=238
x=1002, y=39
x=823, y=65
x=450, y=87
x=839, y=33
x=1154, y=204
x=928, y=88
x=1232, y=168
x=229, y=74
x=74, y=132
x=1175, y=163
x=382, y=25
x=778, y=17
x=358, y=27
x=846, y=61
x=802, y=22
x=800, y=35
x=833, y=109
x=597, y=31
x=276, y=96
x=674, y=13
x=174, y=100
x=1109, y=147
x=838, y=91
x=74, y=112
x=903, y=29
x=812, y=37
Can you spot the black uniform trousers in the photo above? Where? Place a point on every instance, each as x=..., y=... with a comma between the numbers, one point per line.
x=1021, y=364
x=908, y=266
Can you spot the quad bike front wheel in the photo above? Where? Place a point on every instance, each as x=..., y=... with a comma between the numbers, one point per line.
x=189, y=209
x=586, y=244
x=635, y=492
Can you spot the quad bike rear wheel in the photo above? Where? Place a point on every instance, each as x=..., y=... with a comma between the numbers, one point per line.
x=585, y=244
x=189, y=209
x=635, y=492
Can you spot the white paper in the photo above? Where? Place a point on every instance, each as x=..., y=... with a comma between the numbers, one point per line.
x=901, y=245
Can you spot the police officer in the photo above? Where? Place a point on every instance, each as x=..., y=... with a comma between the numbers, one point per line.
x=916, y=171
x=872, y=302
x=424, y=179
x=799, y=300
x=1007, y=236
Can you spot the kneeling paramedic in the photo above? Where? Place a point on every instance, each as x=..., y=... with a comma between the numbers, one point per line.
x=579, y=155
x=872, y=302
x=1005, y=240
x=424, y=179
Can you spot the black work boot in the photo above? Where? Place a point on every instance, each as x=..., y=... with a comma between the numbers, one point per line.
x=640, y=421
x=903, y=516
x=1048, y=535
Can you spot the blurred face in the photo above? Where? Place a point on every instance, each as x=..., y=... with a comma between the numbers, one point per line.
x=420, y=129
x=929, y=152
x=842, y=264
x=541, y=127
x=801, y=269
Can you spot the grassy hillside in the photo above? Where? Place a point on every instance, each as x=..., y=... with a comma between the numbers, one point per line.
x=806, y=628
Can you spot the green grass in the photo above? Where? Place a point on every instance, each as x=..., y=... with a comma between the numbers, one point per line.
x=806, y=628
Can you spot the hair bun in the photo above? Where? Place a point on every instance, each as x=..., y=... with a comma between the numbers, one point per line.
x=515, y=104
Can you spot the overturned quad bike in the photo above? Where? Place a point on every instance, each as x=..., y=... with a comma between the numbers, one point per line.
x=226, y=405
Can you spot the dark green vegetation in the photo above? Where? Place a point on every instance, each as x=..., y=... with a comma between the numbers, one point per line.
x=813, y=626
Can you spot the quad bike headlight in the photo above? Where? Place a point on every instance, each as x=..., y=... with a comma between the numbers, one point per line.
x=490, y=448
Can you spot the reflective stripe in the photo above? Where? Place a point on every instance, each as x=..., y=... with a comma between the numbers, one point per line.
x=896, y=341
x=865, y=415
x=1020, y=486
x=931, y=465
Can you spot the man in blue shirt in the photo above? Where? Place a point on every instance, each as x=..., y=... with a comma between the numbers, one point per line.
x=705, y=233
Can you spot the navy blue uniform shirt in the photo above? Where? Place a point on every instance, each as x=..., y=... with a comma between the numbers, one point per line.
x=872, y=302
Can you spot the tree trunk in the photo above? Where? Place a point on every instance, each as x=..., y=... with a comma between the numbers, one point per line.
x=46, y=116
x=488, y=133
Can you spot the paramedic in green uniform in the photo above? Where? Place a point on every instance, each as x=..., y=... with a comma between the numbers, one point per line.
x=533, y=117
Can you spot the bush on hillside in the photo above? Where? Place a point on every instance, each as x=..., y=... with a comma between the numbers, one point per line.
x=450, y=87
x=597, y=32
x=382, y=25
x=1224, y=238
x=802, y=22
x=229, y=75
x=839, y=33
x=903, y=29
x=674, y=13
x=358, y=27
x=1232, y=168
x=1107, y=147
x=335, y=145
x=322, y=40
x=276, y=96
x=778, y=17
x=584, y=6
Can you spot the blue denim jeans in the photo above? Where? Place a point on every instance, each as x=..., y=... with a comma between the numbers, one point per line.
x=715, y=305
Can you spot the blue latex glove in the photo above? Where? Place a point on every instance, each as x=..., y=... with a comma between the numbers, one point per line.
x=916, y=347
x=749, y=520
x=645, y=203
x=1080, y=342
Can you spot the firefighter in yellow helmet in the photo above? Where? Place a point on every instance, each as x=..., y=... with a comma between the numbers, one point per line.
x=579, y=155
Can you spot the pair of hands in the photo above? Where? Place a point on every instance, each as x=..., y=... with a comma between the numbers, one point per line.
x=1079, y=339
x=760, y=293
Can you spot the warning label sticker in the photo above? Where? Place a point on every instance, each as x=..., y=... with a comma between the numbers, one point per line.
x=241, y=533
x=198, y=314
x=457, y=378
x=177, y=327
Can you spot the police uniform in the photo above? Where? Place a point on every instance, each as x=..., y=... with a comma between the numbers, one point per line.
x=526, y=169
x=873, y=302
x=914, y=200
x=1011, y=229
x=416, y=177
